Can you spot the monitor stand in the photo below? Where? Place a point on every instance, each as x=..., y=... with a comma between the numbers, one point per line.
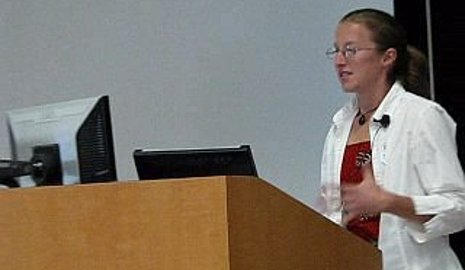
x=44, y=167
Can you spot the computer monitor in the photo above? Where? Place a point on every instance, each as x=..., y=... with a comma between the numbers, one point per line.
x=62, y=143
x=200, y=162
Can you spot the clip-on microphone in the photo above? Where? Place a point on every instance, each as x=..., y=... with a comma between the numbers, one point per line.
x=384, y=121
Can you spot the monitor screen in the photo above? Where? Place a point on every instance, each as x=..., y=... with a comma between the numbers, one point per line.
x=180, y=163
x=73, y=139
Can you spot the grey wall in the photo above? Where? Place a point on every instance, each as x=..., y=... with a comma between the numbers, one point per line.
x=185, y=73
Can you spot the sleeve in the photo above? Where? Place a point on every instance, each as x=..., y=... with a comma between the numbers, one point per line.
x=441, y=175
x=328, y=202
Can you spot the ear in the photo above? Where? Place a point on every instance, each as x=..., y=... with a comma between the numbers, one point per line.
x=389, y=57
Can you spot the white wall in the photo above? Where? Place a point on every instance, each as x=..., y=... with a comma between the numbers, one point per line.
x=185, y=73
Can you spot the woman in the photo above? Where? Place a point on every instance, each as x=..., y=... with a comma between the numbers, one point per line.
x=390, y=171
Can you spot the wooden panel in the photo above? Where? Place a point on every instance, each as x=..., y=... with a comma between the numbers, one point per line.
x=177, y=224
x=216, y=223
x=269, y=230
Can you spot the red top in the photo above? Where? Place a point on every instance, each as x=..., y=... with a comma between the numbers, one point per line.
x=365, y=227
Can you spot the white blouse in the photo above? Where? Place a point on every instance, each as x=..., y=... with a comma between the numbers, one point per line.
x=415, y=155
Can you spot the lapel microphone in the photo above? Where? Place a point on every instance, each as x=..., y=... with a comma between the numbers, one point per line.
x=384, y=121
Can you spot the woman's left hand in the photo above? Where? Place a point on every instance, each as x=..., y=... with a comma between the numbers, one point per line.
x=362, y=199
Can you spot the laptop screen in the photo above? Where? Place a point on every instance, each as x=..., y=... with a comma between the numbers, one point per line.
x=181, y=163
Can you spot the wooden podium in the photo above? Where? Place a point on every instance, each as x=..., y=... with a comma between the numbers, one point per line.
x=213, y=223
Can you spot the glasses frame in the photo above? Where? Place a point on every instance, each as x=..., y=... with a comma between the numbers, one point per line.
x=348, y=52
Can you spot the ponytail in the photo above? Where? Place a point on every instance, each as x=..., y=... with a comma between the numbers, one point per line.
x=416, y=79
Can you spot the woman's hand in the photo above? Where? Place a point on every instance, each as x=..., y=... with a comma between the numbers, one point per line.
x=363, y=199
x=368, y=199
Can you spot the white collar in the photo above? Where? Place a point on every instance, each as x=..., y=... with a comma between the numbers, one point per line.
x=387, y=105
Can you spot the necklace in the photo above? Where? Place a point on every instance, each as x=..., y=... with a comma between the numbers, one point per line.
x=362, y=118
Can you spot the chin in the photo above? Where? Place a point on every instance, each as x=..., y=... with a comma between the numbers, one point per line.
x=347, y=89
x=346, y=86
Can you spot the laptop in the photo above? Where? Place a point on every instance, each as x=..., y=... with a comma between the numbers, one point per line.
x=194, y=162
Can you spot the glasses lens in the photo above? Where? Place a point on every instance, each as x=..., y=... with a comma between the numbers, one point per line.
x=350, y=52
x=330, y=52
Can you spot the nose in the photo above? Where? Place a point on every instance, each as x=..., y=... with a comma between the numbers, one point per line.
x=339, y=59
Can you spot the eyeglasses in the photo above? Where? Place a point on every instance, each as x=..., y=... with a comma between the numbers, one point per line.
x=348, y=52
